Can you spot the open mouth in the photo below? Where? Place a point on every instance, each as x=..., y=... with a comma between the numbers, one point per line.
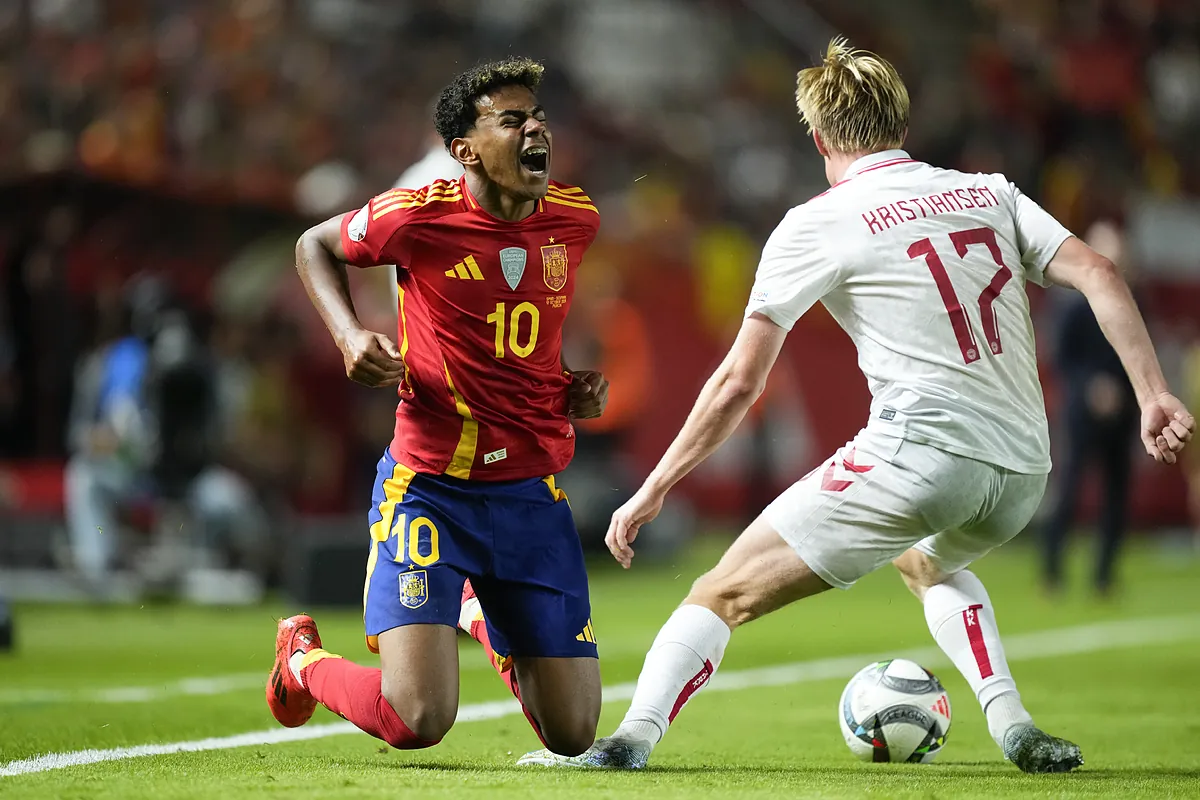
x=535, y=159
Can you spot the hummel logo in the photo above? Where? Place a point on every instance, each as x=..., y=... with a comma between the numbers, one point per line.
x=466, y=269
x=829, y=483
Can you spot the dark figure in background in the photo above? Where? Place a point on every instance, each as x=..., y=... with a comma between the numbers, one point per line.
x=6, y=627
x=1100, y=417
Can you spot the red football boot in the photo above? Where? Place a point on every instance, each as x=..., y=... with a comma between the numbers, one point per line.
x=290, y=702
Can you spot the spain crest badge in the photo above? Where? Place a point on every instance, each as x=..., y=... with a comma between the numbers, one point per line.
x=554, y=266
x=414, y=588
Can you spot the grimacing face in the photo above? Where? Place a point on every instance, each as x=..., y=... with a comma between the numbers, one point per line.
x=513, y=142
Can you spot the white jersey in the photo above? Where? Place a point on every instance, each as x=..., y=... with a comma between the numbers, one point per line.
x=925, y=269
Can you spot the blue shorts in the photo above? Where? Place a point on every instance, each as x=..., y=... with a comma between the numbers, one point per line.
x=515, y=540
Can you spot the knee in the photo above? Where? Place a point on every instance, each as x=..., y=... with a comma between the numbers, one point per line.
x=732, y=600
x=919, y=571
x=571, y=738
x=427, y=718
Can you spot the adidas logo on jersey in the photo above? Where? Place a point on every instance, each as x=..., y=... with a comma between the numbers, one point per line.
x=467, y=270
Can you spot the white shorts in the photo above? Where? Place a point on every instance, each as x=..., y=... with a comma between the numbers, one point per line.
x=880, y=495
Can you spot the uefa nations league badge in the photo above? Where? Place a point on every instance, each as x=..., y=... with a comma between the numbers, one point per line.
x=512, y=264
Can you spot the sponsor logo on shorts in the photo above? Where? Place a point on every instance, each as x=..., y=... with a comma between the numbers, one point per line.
x=495, y=455
x=414, y=588
x=587, y=634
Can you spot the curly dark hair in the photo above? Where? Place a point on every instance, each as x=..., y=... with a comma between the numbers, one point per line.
x=456, y=113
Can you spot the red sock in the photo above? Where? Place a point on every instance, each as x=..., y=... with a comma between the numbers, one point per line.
x=505, y=671
x=352, y=692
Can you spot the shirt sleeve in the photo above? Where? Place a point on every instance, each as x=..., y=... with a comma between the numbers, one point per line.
x=1039, y=235
x=591, y=228
x=794, y=271
x=372, y=235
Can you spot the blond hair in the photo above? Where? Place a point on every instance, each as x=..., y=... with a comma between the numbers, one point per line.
x=854, y=99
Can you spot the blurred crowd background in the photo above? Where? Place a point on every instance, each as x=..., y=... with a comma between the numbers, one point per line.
x=164, y=381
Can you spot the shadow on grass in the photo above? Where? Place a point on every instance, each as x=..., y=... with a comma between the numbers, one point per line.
x=983, y=770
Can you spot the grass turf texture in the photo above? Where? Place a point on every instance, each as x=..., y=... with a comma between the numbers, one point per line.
x=1132, y=709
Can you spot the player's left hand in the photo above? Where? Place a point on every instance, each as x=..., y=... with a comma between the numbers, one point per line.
x=588, y=394
x=643, y=507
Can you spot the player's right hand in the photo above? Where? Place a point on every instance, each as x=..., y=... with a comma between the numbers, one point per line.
x=371, y=359
x=643, y=507
x=1166, y=427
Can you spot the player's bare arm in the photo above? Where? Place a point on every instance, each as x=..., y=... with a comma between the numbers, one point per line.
x=1166, y=425
x=720, y=408
x=371, y=359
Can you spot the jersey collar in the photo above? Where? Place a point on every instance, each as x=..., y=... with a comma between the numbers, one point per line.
x=473, y=204
x=885, y=158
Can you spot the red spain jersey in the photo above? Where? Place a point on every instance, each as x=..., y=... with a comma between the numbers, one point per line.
x=480, y=314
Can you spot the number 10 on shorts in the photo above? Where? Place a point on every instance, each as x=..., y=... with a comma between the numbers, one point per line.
x=409, y=542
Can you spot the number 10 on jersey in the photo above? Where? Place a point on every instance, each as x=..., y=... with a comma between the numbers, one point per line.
x=959, y=321
x=513, y=323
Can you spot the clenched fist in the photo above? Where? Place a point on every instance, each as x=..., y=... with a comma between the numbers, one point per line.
x=588, y=394
x=1166, y=427
x=371, y=359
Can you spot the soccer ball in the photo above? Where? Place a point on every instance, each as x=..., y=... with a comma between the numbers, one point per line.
x=895, y=711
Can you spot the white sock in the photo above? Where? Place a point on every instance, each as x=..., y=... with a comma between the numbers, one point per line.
x=294, y=663
x=960, y=617
x=685, y=654
x=469, y=612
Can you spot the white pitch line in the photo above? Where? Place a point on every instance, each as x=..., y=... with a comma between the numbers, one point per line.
x=220, y=684
x=203, y=686
x=1020, y=647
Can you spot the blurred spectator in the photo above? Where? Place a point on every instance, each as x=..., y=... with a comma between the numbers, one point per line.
x=143, y=430
x=107, y=434
x=1099, y=420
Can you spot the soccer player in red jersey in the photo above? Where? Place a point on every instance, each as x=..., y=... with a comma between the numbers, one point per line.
x=465, y=500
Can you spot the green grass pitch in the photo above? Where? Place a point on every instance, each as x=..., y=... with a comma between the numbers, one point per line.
x=1120, y=678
